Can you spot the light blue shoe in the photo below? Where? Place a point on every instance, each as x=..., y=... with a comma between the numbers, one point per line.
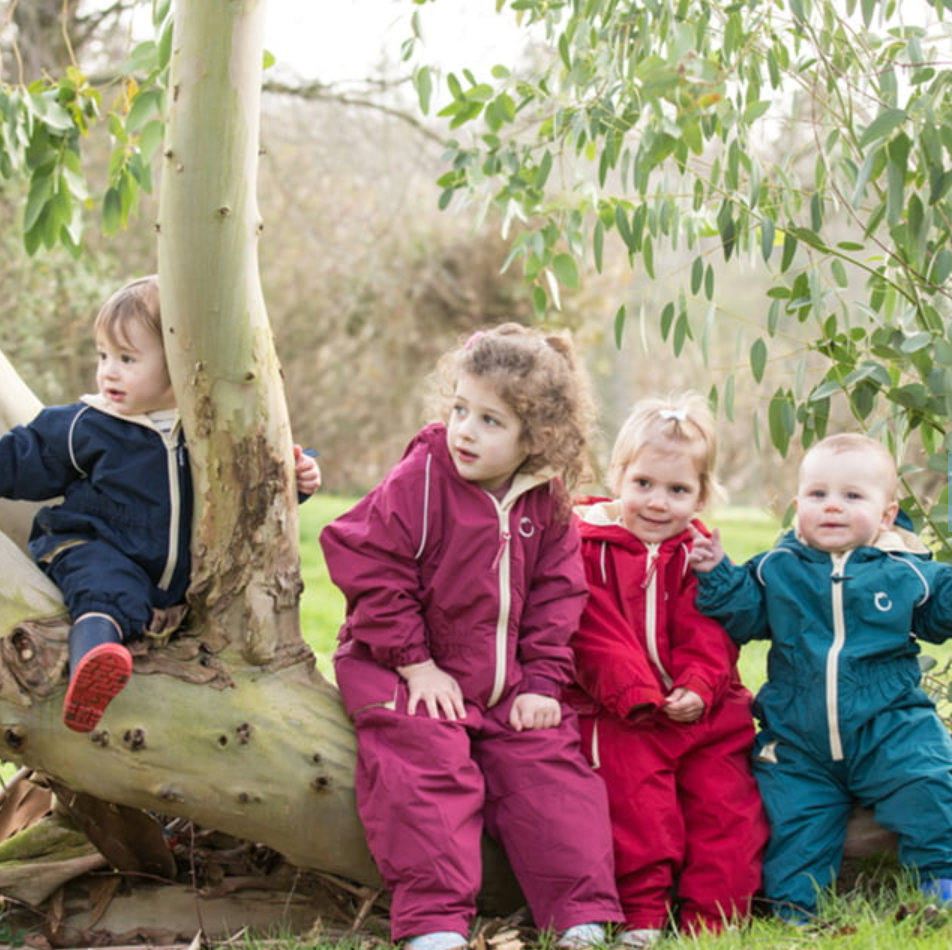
x=938, y=889
x=440, y=940
x=582, y=937
x=639, y=939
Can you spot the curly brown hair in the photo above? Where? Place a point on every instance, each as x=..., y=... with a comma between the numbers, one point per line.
x=538, y=377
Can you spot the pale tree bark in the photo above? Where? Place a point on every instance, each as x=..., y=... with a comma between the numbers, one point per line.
x=18, y=404
x=230, y=725
x=234, y=728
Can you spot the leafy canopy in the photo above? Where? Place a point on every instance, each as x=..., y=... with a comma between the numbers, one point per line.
x=812, y=135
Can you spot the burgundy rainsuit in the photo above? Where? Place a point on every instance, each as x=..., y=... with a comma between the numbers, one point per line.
x=435, y=567
x=687, y=820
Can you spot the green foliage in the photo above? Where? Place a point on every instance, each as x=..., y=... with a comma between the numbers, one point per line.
x=322, y=604
x=814, y=139
x=43, y=128
x=745, y=532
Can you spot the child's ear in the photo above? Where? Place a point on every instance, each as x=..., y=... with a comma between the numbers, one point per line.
x=889, y=515
x=540, y=442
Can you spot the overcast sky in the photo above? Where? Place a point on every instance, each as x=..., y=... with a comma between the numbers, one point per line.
x=346, y=39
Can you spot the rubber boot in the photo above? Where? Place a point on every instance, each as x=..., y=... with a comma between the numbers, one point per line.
x=99, y=668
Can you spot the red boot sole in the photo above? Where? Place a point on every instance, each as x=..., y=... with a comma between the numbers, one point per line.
x=100, y=677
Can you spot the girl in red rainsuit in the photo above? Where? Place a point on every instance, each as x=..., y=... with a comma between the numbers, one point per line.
x=464, y=585
x=665, y=719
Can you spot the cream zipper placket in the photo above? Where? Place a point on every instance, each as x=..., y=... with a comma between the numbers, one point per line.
x=650, y=585
x=175, y=458
x=833, y=656
x=501, y=564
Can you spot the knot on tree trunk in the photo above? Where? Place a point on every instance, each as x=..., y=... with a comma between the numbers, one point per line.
x=33, y=660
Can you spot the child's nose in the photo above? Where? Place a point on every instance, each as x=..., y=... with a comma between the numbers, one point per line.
x=109, y=368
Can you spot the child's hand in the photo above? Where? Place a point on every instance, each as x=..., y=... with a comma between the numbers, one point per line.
x=307, y=472
x=683, y=705
x=534, y=711
x=435, y=688
x=706, y=552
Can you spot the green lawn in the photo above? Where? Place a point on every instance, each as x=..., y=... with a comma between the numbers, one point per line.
x=744, y=531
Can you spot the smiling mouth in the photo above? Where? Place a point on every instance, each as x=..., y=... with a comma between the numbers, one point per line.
x=464, y=456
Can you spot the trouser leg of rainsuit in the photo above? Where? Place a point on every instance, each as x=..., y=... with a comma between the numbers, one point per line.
x=903, y=770
x=638, y=763
x=725, y=824
x=550, y=812
x=96, y=578
x=109, y=597
x=808, y=806
x=420, y=797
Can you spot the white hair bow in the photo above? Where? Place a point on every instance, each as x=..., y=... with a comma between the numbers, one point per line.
x=677, y=414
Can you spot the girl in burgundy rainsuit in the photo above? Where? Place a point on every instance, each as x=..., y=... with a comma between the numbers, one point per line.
x=665, y=719
x=464, y=585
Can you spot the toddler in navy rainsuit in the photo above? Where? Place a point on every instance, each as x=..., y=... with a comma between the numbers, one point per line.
x=117, y=545
x=464, y=584
x=843, y=718
x=665, y=719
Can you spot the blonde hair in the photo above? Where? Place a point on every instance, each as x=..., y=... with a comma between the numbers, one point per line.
x=137, y=301
x=854, y=442
x=536, y=374
x=683, y=422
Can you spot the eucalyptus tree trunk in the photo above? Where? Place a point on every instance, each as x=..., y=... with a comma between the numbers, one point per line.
x=230, y=725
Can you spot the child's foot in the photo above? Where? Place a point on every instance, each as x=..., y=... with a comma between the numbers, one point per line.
x=440, y=940
x=582, y=937
x=938, y=889
x=639, y=939
x=98, y=679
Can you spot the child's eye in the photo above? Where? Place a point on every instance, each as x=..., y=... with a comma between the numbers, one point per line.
x=817, y=493
x=642, y=482
x=126, y=358
x=491, y=420
x=854, y=496
x=457, y=410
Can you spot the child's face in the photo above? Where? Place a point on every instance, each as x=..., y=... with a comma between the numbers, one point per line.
x=660, y=493
x=842, y=501
x=132, y=373
x=483, y=435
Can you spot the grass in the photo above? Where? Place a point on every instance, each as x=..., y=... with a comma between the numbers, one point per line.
x=883, y=912
x=744, y=532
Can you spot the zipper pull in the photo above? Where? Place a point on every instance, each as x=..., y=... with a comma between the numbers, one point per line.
x=651, y=568
x=503, y=541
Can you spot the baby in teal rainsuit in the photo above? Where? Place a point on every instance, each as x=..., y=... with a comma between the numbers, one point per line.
x=843, y=718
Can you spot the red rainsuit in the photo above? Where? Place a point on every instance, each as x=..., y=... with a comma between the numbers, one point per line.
x=688, y=824
x=433, y=566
